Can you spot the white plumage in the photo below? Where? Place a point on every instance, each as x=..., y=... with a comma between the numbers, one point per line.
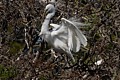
x=65, y=37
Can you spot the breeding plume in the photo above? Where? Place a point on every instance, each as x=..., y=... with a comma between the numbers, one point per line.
x=63, y=38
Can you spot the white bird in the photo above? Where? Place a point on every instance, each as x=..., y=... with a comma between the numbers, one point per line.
x=63, y=38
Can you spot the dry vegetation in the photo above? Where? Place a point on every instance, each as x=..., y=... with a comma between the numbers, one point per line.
x=103, y=40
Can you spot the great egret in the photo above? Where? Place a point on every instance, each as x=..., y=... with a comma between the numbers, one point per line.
x=63, y=38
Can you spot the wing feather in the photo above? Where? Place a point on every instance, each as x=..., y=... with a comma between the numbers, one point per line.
x=55, y=26
x=69, y=33
x=75, y=36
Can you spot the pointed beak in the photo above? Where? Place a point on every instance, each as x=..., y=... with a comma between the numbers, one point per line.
x=45, y=12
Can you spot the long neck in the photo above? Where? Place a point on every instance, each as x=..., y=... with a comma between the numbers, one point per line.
x=46, y=22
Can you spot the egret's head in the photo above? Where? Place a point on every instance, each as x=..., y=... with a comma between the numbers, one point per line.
x=50, y=9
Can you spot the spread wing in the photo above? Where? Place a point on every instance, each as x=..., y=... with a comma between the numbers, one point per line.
x=74, y=36
x=55, y=26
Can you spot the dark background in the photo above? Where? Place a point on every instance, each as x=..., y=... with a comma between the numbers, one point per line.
x=103, y=36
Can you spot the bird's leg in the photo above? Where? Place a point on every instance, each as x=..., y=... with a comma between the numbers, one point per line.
x=70, y=55
x=67, y=72
x=53, y=53
x=57, y=56
x=66, y=61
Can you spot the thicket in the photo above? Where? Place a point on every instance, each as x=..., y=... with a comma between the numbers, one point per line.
x=103, y=36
